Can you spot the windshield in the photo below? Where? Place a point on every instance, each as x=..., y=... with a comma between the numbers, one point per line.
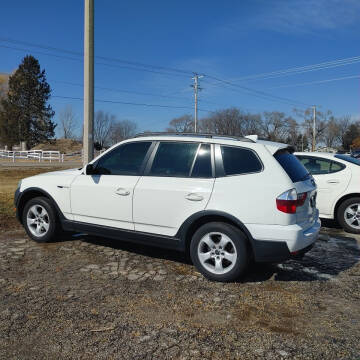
x=293, y=167
x=348, y=158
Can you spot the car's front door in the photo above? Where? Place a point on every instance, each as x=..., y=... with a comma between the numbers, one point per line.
x=105, y=198
x=178, y=184
x=331, y=177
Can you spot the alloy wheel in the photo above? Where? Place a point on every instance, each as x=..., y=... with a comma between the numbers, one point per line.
x=217, y=253
x=38, y=221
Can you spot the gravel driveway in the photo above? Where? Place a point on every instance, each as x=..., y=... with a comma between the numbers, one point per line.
x=85, y=298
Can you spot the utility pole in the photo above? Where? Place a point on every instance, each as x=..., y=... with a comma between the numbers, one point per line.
x=196, y=89
x=88, y=140
x=314, y=129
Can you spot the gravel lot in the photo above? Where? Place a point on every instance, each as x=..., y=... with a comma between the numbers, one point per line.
x=86, y=297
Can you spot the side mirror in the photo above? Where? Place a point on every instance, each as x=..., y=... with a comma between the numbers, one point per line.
x=89, y=170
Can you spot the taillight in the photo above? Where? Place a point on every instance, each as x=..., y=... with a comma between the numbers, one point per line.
x=288, y=201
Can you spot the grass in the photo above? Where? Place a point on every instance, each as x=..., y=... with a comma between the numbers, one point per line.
x=9, y=178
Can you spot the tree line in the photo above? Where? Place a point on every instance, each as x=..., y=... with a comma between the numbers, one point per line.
x=331, y=131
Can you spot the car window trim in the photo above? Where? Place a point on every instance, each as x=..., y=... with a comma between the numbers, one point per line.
x=154, y=152
x=142, y=166
x=220, y=161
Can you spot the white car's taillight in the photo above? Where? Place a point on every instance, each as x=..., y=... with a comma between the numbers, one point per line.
x=288, y=201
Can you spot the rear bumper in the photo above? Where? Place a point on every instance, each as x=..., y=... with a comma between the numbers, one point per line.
x=273, y=243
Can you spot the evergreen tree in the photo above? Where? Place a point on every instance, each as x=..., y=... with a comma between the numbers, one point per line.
x=25, y=114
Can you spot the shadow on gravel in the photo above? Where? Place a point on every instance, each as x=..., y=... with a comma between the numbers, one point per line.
x=329, y=257
x=330, y=224
x=332, y=254
x=150, y=251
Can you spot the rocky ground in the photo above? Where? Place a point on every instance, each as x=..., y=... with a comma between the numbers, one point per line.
x=92, y=298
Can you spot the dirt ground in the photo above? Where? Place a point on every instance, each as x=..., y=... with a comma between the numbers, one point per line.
x=86, y=297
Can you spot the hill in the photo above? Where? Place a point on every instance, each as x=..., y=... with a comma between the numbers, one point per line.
x=65, y=146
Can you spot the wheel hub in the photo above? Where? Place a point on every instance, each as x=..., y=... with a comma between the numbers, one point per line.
x=217, y=253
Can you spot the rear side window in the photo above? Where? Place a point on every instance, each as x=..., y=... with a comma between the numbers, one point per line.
x=316, y=166
x=124, y=160
x=202, y=165
x=174, y=159
x=320, y=166
x=292, y=166
x=239, y=161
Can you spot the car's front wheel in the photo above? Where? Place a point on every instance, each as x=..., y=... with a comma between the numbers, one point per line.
x=219, y=251
x=39, y=219
x=348, y=215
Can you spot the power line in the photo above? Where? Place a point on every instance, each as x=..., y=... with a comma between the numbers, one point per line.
x=131, y=103
x=96, y=62
x=136, y=92
x=121, y=90
x=134, y=63
x=317, y=82
x=300, y=69
x=258, y=93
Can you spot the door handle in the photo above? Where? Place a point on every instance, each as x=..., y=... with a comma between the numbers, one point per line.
x=194, y=197
x=333, y=181
x=122, y=192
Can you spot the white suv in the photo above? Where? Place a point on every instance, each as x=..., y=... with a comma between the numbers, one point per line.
x=225, y=200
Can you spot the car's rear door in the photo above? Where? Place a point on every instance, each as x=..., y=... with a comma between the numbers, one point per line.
x=177, y=183
x=331, y=177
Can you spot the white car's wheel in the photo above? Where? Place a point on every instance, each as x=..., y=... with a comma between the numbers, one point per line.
x=348, y=215
x=39, y=220
x=219, y=251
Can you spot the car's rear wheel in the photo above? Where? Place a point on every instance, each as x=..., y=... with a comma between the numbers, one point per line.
x=348, y=215
x=219, y=251
x=40, y=220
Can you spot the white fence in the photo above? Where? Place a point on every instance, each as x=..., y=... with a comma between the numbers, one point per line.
x=44, y=155
x=38, y=155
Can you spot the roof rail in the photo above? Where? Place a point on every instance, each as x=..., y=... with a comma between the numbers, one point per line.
x=203, y=135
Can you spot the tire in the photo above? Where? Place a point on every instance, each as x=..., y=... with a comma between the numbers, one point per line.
x=349, y=223
x=40, y=221
x=225, y=251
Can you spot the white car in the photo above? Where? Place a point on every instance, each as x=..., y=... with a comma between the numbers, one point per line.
x=338, y=181
x=225, y=200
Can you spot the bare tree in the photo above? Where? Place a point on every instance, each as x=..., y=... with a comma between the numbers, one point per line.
x=331, y=134
x=67, y=120
x=103, y=124
x=278, y=127
x=233, y=122
x=122, y=130
x=183, y=123
x=344, y=123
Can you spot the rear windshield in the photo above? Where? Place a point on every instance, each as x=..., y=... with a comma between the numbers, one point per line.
x=293, y=167
x=348, y=158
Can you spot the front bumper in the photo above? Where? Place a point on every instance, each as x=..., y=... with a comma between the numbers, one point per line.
x=274, y=243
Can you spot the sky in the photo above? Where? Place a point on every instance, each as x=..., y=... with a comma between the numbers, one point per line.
x=147, y=51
